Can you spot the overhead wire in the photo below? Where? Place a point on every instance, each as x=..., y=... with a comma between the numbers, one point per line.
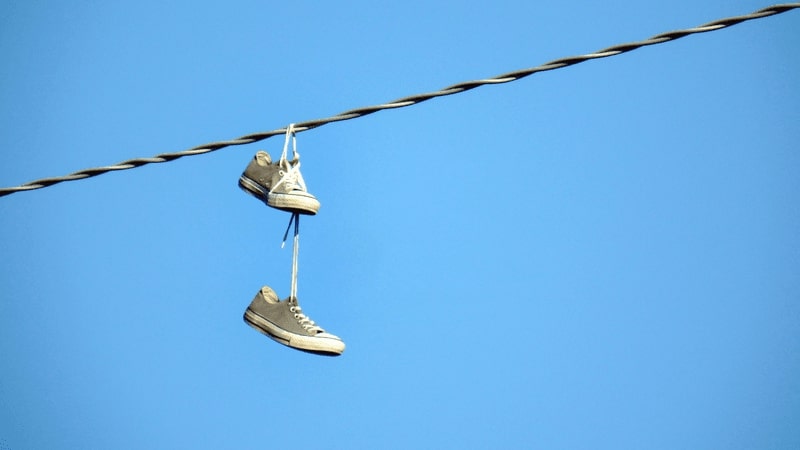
x=406, y=101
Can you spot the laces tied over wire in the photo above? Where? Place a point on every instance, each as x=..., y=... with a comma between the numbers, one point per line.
x=409, y=100
x=290, y=176
x=290, y=173
x=290, y=169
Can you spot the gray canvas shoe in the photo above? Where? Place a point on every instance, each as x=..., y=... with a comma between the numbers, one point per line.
x=284, y=322
x=279, y=185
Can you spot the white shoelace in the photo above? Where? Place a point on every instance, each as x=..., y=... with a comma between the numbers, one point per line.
x=304, y=320
x=301, y=318
x=290, y=170
x=295, y=253
x=291, y=175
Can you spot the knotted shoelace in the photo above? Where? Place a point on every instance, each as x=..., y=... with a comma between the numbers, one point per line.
x=304, y=320
x=290, y=170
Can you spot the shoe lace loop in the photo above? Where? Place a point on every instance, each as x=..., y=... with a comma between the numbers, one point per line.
x=290, y=170
x=304, y=320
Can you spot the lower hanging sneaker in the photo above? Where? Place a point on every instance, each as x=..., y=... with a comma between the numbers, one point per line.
x=284, y=322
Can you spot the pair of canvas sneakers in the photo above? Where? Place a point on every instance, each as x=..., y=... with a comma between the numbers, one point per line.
x=280, y=185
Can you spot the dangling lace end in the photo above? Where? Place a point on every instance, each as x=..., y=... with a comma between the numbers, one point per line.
x=288, y=227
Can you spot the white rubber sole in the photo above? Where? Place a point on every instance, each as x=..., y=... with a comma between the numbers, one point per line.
x=302, y=204
x=317, y=345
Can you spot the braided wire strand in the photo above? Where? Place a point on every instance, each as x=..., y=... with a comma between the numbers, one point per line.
x=407, y=101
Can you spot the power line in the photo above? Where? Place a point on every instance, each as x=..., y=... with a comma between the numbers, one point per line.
x=406, y=101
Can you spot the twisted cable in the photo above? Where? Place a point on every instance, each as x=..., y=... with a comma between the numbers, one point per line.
x=407, y=101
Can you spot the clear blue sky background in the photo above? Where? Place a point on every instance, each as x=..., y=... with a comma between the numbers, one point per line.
x=602, y=256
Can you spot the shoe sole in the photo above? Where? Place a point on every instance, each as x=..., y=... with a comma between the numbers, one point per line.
x=285, y=202
x=319, y=346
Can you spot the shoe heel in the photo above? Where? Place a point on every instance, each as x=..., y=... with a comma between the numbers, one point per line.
x=257, y=323
x=252, y=188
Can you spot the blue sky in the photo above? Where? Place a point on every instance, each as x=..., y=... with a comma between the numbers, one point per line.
x=602, y=256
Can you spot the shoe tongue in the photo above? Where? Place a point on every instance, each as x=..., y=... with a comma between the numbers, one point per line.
x=269, y=295
x=263, y=158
